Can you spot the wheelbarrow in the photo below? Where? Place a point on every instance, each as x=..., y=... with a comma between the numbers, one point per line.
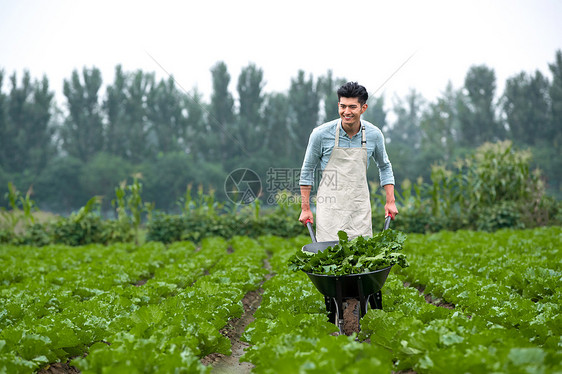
x=338, y=290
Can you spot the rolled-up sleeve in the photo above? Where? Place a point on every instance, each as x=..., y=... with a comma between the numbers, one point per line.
x=311, y=159
x=386, y=175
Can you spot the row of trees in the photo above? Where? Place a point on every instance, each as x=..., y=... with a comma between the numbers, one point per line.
x=174, y=138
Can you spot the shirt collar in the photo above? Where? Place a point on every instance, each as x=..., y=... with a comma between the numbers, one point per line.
x=345, y=133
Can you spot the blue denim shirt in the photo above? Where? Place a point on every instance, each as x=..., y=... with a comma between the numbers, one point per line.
x=322, y=141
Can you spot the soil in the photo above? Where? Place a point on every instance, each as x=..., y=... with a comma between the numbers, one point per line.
x=234, y=330
x=59, y=368
x=351, y=317
x=430, y=299
x=220, y=363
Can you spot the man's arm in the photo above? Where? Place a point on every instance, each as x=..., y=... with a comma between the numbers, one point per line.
x=311, y=160
x=306, y=213
x=390, y=206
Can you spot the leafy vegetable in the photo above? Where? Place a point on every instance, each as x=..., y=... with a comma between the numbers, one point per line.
x=356, y=256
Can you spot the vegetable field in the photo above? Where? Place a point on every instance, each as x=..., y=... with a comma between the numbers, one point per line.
x=470, y=302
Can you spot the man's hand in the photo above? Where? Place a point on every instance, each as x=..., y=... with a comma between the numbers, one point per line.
x=306, y=214
x=390, y=210
x=390, y=206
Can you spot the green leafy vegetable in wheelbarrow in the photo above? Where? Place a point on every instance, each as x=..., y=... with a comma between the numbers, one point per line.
x=356, y=256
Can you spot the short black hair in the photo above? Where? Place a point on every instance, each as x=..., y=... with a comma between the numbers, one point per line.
x=353, y=89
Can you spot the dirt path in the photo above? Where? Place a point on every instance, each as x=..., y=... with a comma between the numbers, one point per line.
x=59, y=368
x=234, y=330
x=430, y=299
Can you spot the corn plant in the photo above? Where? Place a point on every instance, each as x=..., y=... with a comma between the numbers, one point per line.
x=129, y=205
x=21, y=206
x=204, y=204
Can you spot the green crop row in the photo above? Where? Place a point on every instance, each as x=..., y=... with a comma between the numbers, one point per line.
x=508, y=319
x=291, y=333
x=505, y=288
x=160, y=309
x=131, y=309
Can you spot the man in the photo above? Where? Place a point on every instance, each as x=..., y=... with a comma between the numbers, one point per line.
x=343, y=148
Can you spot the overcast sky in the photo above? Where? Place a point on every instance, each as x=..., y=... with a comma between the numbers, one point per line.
x=364, y=41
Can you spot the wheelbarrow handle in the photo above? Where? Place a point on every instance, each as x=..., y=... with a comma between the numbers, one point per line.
x=313, y=236
x=387, y=222
x=310, y=230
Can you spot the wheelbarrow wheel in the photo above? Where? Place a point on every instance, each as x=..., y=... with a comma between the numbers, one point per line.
x=348, y=320
x=351, y=317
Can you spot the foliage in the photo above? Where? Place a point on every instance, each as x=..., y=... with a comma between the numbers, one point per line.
x=22, y=207
x=137, y=123
x=26, y=131
x=477, y=119
x=503, y=313
x=62, y=186
x=123, y=307
x=87, y=227
x=490, y=189
x=172, y=136
x=102, y=173
x=503, y=289
x=525, y=101
x=360, y=255
x=129, y=205
x=82, y=227
x=169, y=228
x=82, y=131
x=90, y=300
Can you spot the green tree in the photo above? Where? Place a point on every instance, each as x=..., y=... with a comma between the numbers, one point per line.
x=277, y=134
x=200, y=140
x=4, y=127
x=139, y=147
x=525, y=104
x=102, y=174
x=327, y=90
x=166, y=178
x=58, y=187
x=406, y=128
x=82, y=131
x=548, y=157
x=221, y=112
x=167, y=115
x=304, y=105
x=476, y=108
x=127, y=109
x=115, y=107
x=439, y=124
x=375, y=112
x=555, y=92
x=12, y=136
x=25, y=125
x=251, y=129
x=405, y=137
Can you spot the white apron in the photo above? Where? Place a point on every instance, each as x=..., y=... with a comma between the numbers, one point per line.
x=343, y=201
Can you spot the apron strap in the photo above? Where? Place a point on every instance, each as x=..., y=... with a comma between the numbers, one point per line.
x=337, y=140
x=363, y=136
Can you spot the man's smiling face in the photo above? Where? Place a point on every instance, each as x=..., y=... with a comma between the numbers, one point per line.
x=350, y=110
